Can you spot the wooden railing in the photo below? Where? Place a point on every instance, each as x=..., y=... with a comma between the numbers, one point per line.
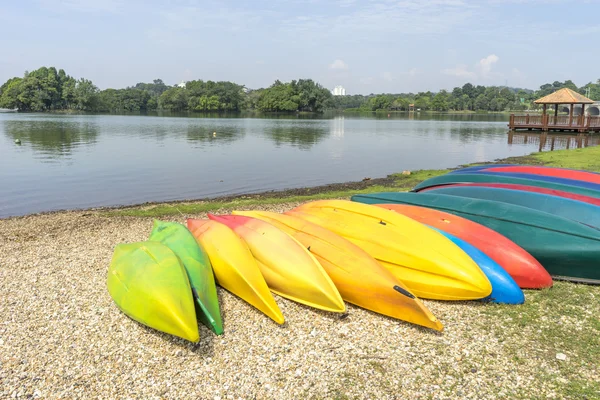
x=545, y=122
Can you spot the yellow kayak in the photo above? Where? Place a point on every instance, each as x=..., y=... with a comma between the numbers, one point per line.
x=288, y=268
x=148, y=282
x=426, y=261
x=360, y=279
x=234, y=266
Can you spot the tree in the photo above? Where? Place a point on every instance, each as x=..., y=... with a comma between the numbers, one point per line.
x=86, y=95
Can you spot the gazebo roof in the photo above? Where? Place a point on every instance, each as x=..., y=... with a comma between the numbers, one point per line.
x=564, y=96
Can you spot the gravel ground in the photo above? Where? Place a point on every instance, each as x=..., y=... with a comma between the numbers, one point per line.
x=61, y=336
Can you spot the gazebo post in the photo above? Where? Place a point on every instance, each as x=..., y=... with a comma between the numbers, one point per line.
x=544, y=120
x=571, y=116
x=583, y=115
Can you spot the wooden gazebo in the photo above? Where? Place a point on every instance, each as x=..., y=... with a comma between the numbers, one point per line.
x=545, y=122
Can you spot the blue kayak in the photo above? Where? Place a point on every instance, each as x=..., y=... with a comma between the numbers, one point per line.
x=504, y=289
x=584, y=213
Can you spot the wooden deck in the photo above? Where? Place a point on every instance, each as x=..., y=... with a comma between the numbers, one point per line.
x=562, y=123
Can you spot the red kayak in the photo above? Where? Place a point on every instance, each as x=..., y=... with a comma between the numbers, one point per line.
x=527, y=272
x=548, y=171
x=537, y=189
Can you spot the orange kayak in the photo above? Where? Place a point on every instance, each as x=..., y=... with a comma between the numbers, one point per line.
x=520, y=265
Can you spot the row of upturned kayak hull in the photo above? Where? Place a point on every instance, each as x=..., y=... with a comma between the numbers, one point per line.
x=480, y=234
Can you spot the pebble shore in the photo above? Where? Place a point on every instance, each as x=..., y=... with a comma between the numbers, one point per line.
x=62, y=337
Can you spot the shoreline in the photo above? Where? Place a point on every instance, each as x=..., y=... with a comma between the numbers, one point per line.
x=395, y=181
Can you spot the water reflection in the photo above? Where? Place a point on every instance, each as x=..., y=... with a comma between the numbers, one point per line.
x=550, y=142
x=337, y=127
x=54, y=139
x=300, y=136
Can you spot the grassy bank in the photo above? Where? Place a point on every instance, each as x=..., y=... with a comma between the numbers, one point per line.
x=588, y=158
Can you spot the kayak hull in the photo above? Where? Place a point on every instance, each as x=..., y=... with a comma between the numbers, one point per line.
x=148, y=283
x=525, y=188
x=360, y=279
x=504, y=289
x=197, y=265
x=527, y=272
x=565, y=173
x=454, y=178
x=428, y=263
x=543, y=178
x=581, y=212
x=287, y=267
x=234, y=266
x=565, y=248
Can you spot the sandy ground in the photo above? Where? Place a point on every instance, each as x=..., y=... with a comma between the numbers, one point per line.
x=61, y=336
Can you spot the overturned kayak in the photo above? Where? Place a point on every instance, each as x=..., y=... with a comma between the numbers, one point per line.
x=288, y=268
x=234, y=266
x=565, y=173
x=148, y=283
x=360, y=279
x=504, y=289
x=520, y=265
x=581, y=212
x=197, y=265
x=428, y=263
x=448, y=179
x=566, y=249
x=536, y=177
x=525, y=188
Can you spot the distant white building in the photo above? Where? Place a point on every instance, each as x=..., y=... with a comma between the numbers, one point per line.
x=182, y=84
x=339, y=91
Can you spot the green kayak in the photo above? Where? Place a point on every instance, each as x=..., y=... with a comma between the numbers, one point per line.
x=449, y=179
x=197, y=264
x=567, y=249
x=149, y=284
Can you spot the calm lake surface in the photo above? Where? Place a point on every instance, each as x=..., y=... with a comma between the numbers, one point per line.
x=81, y=161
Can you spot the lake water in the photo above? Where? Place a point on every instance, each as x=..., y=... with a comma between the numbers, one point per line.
x=82, y=161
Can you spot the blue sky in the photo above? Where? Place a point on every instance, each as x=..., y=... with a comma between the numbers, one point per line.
x=368, y=46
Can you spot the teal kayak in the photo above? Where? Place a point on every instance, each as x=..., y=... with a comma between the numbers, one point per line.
x=197, y=265
x=567, y=249
x=581, y=212
x=449, y=179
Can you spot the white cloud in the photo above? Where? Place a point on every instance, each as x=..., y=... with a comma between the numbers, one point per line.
x=338, y=65
x=460, y=71
x=482, y=69
x=413, y=72
x=485, y=64
x=387, y=76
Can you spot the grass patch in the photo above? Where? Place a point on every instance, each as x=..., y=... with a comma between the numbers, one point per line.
x=561, y=319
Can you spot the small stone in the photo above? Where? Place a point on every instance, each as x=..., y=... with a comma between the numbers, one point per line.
x=298, y=372
x=561, y=356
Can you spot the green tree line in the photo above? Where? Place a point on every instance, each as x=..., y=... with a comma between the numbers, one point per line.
x=466, y=98
x=49, y=89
